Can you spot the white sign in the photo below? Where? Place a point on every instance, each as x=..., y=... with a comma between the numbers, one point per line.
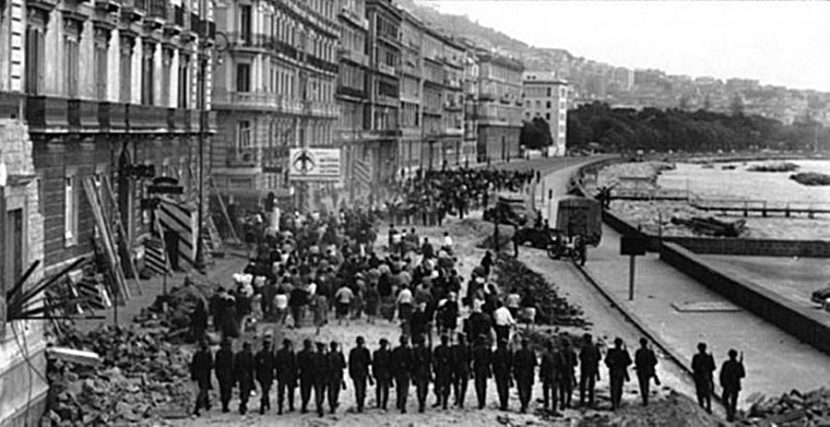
x=314, y=164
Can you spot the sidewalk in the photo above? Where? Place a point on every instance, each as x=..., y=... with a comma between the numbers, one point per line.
x=220, y=272
x=775, y=361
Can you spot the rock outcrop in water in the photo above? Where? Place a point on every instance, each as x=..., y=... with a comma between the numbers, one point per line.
x=774, y=167
x=811, y=178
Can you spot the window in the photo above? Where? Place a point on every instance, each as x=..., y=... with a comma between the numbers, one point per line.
x=100, y=60
x=147, y=78
x=166, y=62
x=71, y=65
x=547, y=116
x=35, y=59
x=549, y=92
x=243, y=135
x=184, y=67
x=245, y=24
x=70, y=201
x=548, y=105
x=243, y=77
x=126, y=62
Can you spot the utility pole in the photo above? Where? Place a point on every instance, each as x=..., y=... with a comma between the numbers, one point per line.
x=200, y=256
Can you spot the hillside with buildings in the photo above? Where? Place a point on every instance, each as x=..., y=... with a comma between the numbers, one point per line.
x=619, y=86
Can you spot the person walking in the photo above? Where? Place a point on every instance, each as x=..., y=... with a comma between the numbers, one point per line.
x=549, y=372
x=286, y=366
x=224, y=373
x=503, y=321
x=644, y=363
x=502, y=365
x=421, y=371
x=461, y=372
x=703, y=366
x=343, y=298
x=567, y=380
x=320, y=375
x=265, y=364
x=401, y=362
x=359, y=361
x=243, y=367
x=381, y=370
x=524, y=365
x=335, y=364
x=482, y=371
x=617, y=361
x=731, y=373
x=200, y=367
x=442, y=359
x=589, y=357
x=306, y=371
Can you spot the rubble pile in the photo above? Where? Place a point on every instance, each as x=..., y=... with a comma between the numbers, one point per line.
x=811, y=178
x=551, y=308
x=792, y=409
x=675, y=410
x=143, y=378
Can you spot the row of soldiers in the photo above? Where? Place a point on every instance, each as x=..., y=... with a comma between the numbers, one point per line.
x=448, y=367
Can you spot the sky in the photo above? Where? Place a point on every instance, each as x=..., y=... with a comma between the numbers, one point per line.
x=783, y=43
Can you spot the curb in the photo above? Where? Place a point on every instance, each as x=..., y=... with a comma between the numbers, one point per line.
x=676, y=357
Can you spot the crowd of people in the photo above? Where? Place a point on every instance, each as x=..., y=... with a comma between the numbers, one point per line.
x=317, y=264
x=430, y=196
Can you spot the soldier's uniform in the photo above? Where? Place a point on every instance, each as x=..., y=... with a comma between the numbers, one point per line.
x=502, y=364
x=381, y=365
x=305, y=367
x=286, y=364
x=482, y=362
x=443, y=371
x=421, y=372
x=401, y=362
x=243, y=365
x=461, y=358
x=265, y=363
x=524, y=363
x=224, y=373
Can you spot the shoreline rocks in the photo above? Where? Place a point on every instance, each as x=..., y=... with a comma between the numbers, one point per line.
x=774, y=167
x=811, y=178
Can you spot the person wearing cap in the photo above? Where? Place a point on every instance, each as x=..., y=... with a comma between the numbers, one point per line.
x=381, y=365
x=589, y=358
x=549, y=375
x=703, y=365
x=421, y=370
x=731, y=373
x=335, y=364
x=243, y=368
x=286, y=366
x=320, y=374
x=502, y=364
x=524, y=365
x=264, y=366
x=567, y=380
x=401, y=363
x=644, y=363
x=617, y=360
x=224, y=373
x=359, y=361
x=200, y=366
x=442, y=357
x=461, y=359
x=306, y=371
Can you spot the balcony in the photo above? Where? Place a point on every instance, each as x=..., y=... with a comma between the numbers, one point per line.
x=247, y=100
x=453, y=106
x=322, y=64
x=286, y=49
x=146, y=117
x=352, y=92
x=107, y=6
x=356, y=57
x=46, y=112
x=82, y=115
x=386, y=69
x=112, y=116
x=355, y=18
x=322, y=109
x=47, y=5
x=387, y=100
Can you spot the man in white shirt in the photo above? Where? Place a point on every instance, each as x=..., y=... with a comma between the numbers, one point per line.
x=503, y=321
x=447, y=242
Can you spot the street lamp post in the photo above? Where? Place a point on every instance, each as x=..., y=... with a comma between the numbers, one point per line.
x=202, y=56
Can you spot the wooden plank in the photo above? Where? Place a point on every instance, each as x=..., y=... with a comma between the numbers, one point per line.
x=224, y=209
x=106, y=237
x=105, y=182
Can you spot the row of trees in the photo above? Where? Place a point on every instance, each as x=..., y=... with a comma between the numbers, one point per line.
x=627, y=129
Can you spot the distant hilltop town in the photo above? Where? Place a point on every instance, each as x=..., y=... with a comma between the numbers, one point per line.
x=624, y=87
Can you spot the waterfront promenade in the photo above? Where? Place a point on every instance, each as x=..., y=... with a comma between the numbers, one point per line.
x=776, y=362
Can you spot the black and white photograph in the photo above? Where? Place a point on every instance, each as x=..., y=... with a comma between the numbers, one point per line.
x=575, y=213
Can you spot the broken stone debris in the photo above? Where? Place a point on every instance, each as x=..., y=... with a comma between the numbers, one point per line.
x=142, y=379
x=792, y=409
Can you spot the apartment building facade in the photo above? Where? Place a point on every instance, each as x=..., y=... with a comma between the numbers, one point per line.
x=472, y=71
x=110, y=85
x=411, y=77
x=352, y=98
x=546, y=96
x=454, y=54
x=383, y=83
x=275, y=90
x=499, y=107
x=21, y=234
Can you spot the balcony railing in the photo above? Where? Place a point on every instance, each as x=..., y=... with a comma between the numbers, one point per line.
x=386, y=69
x=254, y=100
x=322, y=64
x=323, y=109
x=354, y=56
x=355, y=17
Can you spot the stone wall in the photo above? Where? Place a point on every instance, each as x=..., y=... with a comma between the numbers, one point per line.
x=22, y=389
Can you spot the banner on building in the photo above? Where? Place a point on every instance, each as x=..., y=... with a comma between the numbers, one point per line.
x=314, y=164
